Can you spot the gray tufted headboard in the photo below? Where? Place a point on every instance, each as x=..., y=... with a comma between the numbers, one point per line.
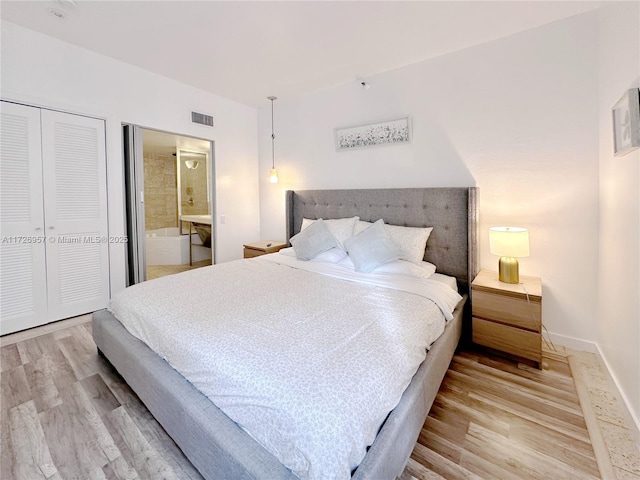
x=452, y=212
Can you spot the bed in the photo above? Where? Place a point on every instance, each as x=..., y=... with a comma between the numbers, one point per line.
x=216, y=445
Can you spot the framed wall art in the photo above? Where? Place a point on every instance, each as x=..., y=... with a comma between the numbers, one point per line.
x=390, y=132
x=626, y=123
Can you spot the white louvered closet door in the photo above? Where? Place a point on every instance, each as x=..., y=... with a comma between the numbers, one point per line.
x=23, y=299
x=75, y=212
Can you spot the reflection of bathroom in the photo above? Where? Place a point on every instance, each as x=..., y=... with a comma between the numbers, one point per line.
x=176, y=186
x=193, y=190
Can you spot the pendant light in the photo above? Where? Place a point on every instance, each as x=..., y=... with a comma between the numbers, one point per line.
x=273, y=176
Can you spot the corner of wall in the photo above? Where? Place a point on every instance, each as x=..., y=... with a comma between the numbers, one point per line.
x=618, y=336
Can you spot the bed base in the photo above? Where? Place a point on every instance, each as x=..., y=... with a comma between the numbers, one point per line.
x=215, y=444
x=220, y=449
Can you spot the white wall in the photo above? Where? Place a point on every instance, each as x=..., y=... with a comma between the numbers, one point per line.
x=43, y=71
x=518, y=117
x=619, y=277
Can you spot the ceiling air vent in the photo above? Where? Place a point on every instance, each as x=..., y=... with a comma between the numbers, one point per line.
x=202, y=119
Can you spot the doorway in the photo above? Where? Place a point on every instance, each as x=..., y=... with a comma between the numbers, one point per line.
x=170, y=202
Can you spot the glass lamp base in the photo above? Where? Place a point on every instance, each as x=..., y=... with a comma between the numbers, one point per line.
x=508, y=270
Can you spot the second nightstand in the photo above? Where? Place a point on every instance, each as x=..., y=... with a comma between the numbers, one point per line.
x=504, y=318
x=256, y=249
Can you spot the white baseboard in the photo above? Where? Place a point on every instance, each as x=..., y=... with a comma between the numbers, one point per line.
x=592, y=347
x=625, y=400
x=571, y=342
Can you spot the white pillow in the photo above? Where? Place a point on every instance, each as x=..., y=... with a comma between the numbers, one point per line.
x=312, y=241
x=400, y=267
x=360, y=226
x=306, y=222
x=333, y=255
x=340, y=228
x=372, y=248
x=412, y=240
x=289, y=252
x=446, y=279
x=428, y=268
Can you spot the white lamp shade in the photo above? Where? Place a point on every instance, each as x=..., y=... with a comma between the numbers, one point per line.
x=509, y=241
x=273, y=176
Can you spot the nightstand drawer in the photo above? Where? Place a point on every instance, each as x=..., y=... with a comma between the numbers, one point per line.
x=250, y=252
x=509, y=310
x=507, y=339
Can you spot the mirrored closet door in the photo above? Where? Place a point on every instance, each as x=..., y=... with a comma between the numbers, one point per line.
x=170, y=198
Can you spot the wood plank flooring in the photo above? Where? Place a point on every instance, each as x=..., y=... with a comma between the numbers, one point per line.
x=157, y=271
x=66, y=414
x=497, y=419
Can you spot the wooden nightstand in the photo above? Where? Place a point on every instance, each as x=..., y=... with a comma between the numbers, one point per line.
x=256, y=249
x=503, y=318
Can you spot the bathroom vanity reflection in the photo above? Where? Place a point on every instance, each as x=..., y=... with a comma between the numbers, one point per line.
x=202, y=226
x=194, y=198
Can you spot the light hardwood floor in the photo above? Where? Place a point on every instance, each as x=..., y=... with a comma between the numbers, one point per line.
x=497, y=419
x=66, y=414
x=157, y=271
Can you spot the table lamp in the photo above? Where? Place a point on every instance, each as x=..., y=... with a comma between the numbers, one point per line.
x=509, y=243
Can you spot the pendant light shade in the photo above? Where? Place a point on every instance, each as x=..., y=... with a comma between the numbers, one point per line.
x=273, y=176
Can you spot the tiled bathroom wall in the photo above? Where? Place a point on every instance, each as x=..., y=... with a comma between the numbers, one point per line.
x=194, y=190
x=160, y=191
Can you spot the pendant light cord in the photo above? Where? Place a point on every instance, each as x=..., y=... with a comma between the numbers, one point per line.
x=273, y=175
x=273, y=138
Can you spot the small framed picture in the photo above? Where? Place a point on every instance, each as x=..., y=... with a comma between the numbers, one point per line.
x=389, y=132
x=626, y=123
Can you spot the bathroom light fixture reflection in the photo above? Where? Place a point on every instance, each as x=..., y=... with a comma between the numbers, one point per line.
x=191, y=164
x=273, y=175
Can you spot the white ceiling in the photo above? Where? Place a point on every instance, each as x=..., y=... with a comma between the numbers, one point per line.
x=162, y=143
x=246, y=51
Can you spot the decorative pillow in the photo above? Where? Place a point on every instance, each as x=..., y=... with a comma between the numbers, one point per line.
x=361, y=225
x=333, y=255
x=372, y=248
x=400, y=267
x=313, y=240
x=411, y=240
x=341, y=228
x=306, y=222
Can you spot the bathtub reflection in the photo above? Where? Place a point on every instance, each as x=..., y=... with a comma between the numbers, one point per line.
x=165, y=246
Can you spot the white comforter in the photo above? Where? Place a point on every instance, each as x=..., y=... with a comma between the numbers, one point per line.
x=308, y=364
